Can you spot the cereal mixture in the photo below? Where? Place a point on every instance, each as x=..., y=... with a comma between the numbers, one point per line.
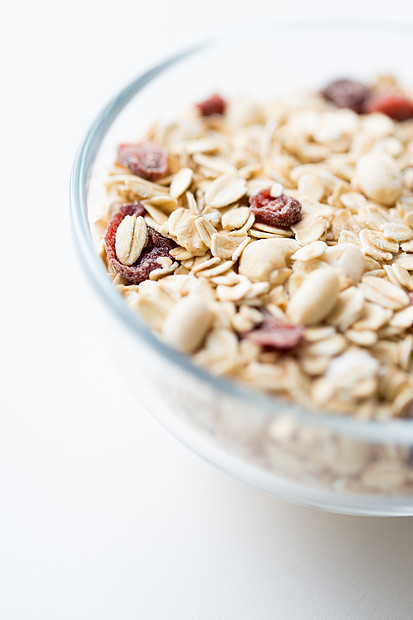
x=274, y=243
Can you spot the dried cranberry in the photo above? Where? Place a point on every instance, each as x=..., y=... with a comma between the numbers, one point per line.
x=346, y=93
x=282, y=211
x=393, y=104
x=276, y=334
x=156, y=247
x=214, y=105
x=146, y=160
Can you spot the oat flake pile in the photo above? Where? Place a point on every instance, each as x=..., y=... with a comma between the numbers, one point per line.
x=274, y=243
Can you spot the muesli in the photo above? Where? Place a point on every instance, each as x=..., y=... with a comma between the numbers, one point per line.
x=274, y=242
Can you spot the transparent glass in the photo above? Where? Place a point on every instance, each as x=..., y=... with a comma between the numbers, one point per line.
x=330, y=462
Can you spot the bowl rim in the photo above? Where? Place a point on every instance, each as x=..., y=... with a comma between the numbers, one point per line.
x=400, y=431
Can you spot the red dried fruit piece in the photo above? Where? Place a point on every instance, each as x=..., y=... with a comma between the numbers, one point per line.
x=276, y=334
x=214, y=105
x=346, y=93
x=146, y=160
x=156, y=247
x=282, y=211
x=393, y=104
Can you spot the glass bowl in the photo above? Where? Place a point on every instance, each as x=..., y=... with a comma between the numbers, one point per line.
x=331, y=462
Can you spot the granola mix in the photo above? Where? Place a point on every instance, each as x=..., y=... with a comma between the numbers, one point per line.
x=274, y=243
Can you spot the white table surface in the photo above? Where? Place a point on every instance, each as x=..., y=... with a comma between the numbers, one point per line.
x=103, y=515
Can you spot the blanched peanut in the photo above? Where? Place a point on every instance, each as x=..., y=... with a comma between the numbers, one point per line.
x=315, y=298
x=187, y=323
x=379, y=177
x=261, y=258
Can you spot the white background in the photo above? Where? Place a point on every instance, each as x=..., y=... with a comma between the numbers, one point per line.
x=102, y=514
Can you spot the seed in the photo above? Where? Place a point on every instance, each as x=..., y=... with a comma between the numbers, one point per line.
x=310, y=229
x=205, y=230
x=349, y=258
x=224, y=245
x=187, y=323
x=235, y=218
x=225, y=190
x=310, y=251
x=260, y=258
x=276, y=190
x=347, y=309
x=182, y=226
x=180, y=182
x=131, y=238
x=379, y=177
x=315, y=298
x=384, y=293
x=398, y=232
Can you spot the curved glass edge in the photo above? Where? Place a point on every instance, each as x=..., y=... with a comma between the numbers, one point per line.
x=326, y=500
x=400, y=431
